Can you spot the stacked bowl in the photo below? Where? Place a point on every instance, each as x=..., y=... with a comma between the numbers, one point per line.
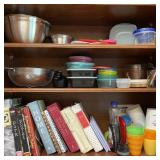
x=81, y=72
x=107, y=77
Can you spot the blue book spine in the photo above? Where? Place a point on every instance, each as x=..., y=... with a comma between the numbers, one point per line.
x=41, y=127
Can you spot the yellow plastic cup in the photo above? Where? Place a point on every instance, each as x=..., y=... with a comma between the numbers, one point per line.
x=150, y=147
x=135, y=144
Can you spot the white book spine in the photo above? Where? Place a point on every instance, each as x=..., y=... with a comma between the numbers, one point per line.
x=55, y=132
x=76, y=129
x=77, y=108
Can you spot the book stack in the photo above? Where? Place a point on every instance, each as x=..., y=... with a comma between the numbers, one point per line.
x=60, y=129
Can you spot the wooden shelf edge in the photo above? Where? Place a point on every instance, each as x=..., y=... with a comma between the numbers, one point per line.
x=91, y=153
x=76, y=90
x=100, y=46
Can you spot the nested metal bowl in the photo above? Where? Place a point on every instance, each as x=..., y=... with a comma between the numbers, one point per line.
x=30, y=77
x=25, y=28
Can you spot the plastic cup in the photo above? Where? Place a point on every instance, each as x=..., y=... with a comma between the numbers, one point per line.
x=150, y=147
x=150, y=142
x=135, y=138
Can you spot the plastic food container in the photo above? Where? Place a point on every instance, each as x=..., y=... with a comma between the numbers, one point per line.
x=138, y=83
x=81, y=72
x=123, y=82
x=79, y=65
x=80, y=59
x=82, y=82
x=106, y=83
x=145, y=35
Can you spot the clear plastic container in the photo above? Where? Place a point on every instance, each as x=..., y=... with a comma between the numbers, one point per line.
x=82, y=82
x=106, y=83
x=145, y=35
x=123, y=82
x=81, y=72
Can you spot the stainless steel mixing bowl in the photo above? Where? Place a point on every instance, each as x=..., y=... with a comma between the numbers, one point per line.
x=25, y=28
x=30, y=77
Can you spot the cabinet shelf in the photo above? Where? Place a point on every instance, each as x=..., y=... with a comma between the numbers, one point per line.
x=77, y=90
x=63, y=51
x=100, y=46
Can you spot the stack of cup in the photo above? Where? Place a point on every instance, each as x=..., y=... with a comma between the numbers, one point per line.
x=135, y=138
x=150, y=132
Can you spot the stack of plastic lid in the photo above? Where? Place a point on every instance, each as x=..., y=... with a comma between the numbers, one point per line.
x=107, y=77
x=81, y=72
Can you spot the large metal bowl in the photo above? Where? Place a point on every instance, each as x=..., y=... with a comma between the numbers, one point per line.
x=25, y=28
x=30, y=77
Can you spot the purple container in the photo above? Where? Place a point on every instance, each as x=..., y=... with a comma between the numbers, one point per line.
x=80, y=59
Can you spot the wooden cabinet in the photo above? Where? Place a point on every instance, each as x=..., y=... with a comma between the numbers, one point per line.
x=83, y=21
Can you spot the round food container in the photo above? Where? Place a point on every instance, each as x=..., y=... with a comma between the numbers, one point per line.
x=80, y=59
x=145, y=35
x=79, y=65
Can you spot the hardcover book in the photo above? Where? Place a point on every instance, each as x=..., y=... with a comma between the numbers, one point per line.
x=31, y=131
x=23, y=133
x=54, y=111
x=78, y=110
x=41, y=127
x=16, y=132
x=99, y=134
x=56, y=133
x=76, y=129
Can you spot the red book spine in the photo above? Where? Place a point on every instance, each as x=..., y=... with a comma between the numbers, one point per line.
x=54, y=110
x=31, y=131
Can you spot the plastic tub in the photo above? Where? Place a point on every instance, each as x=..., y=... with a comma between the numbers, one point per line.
x=79, y=65
x=123, y=82
x=80, y=59
x=82, y=82
x=81, y=72
x=106, y=83
x=138, y=83
x=145, y=35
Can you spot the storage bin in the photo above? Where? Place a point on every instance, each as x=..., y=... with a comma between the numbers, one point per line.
x=81, y=72
x=106, y=83
x=82, y=82
x=145, y=35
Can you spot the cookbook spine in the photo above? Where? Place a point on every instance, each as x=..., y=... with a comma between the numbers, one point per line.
x=54, y=111
x=23, y=133
x=31, y=131
x=78, y=110
x=42, y=129
x=56, y=145
x=76, y=129
x=58, y=137
x=16, y=132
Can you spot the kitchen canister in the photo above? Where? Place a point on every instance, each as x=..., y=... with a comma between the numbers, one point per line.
x=136, y=114
x=151, y=119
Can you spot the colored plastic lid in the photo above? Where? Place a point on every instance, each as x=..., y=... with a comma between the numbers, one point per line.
x=135, y=129
x=114, y=103
x=144, y=29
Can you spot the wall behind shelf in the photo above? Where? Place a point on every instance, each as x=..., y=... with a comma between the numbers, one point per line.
x=94, y=103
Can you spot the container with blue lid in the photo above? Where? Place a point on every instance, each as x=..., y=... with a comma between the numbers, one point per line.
x=145, y=35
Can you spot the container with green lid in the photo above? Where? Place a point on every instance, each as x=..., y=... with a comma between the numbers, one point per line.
x=135, y=130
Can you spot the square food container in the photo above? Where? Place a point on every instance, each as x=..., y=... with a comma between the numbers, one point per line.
x=81, y=72
x=82, y=82
x=123, y=82
x=106, y=83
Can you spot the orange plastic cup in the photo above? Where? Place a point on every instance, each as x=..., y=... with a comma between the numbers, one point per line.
x=150, y=134
x=135, y=144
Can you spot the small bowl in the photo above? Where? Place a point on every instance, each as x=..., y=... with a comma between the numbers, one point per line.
x=61, y=38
